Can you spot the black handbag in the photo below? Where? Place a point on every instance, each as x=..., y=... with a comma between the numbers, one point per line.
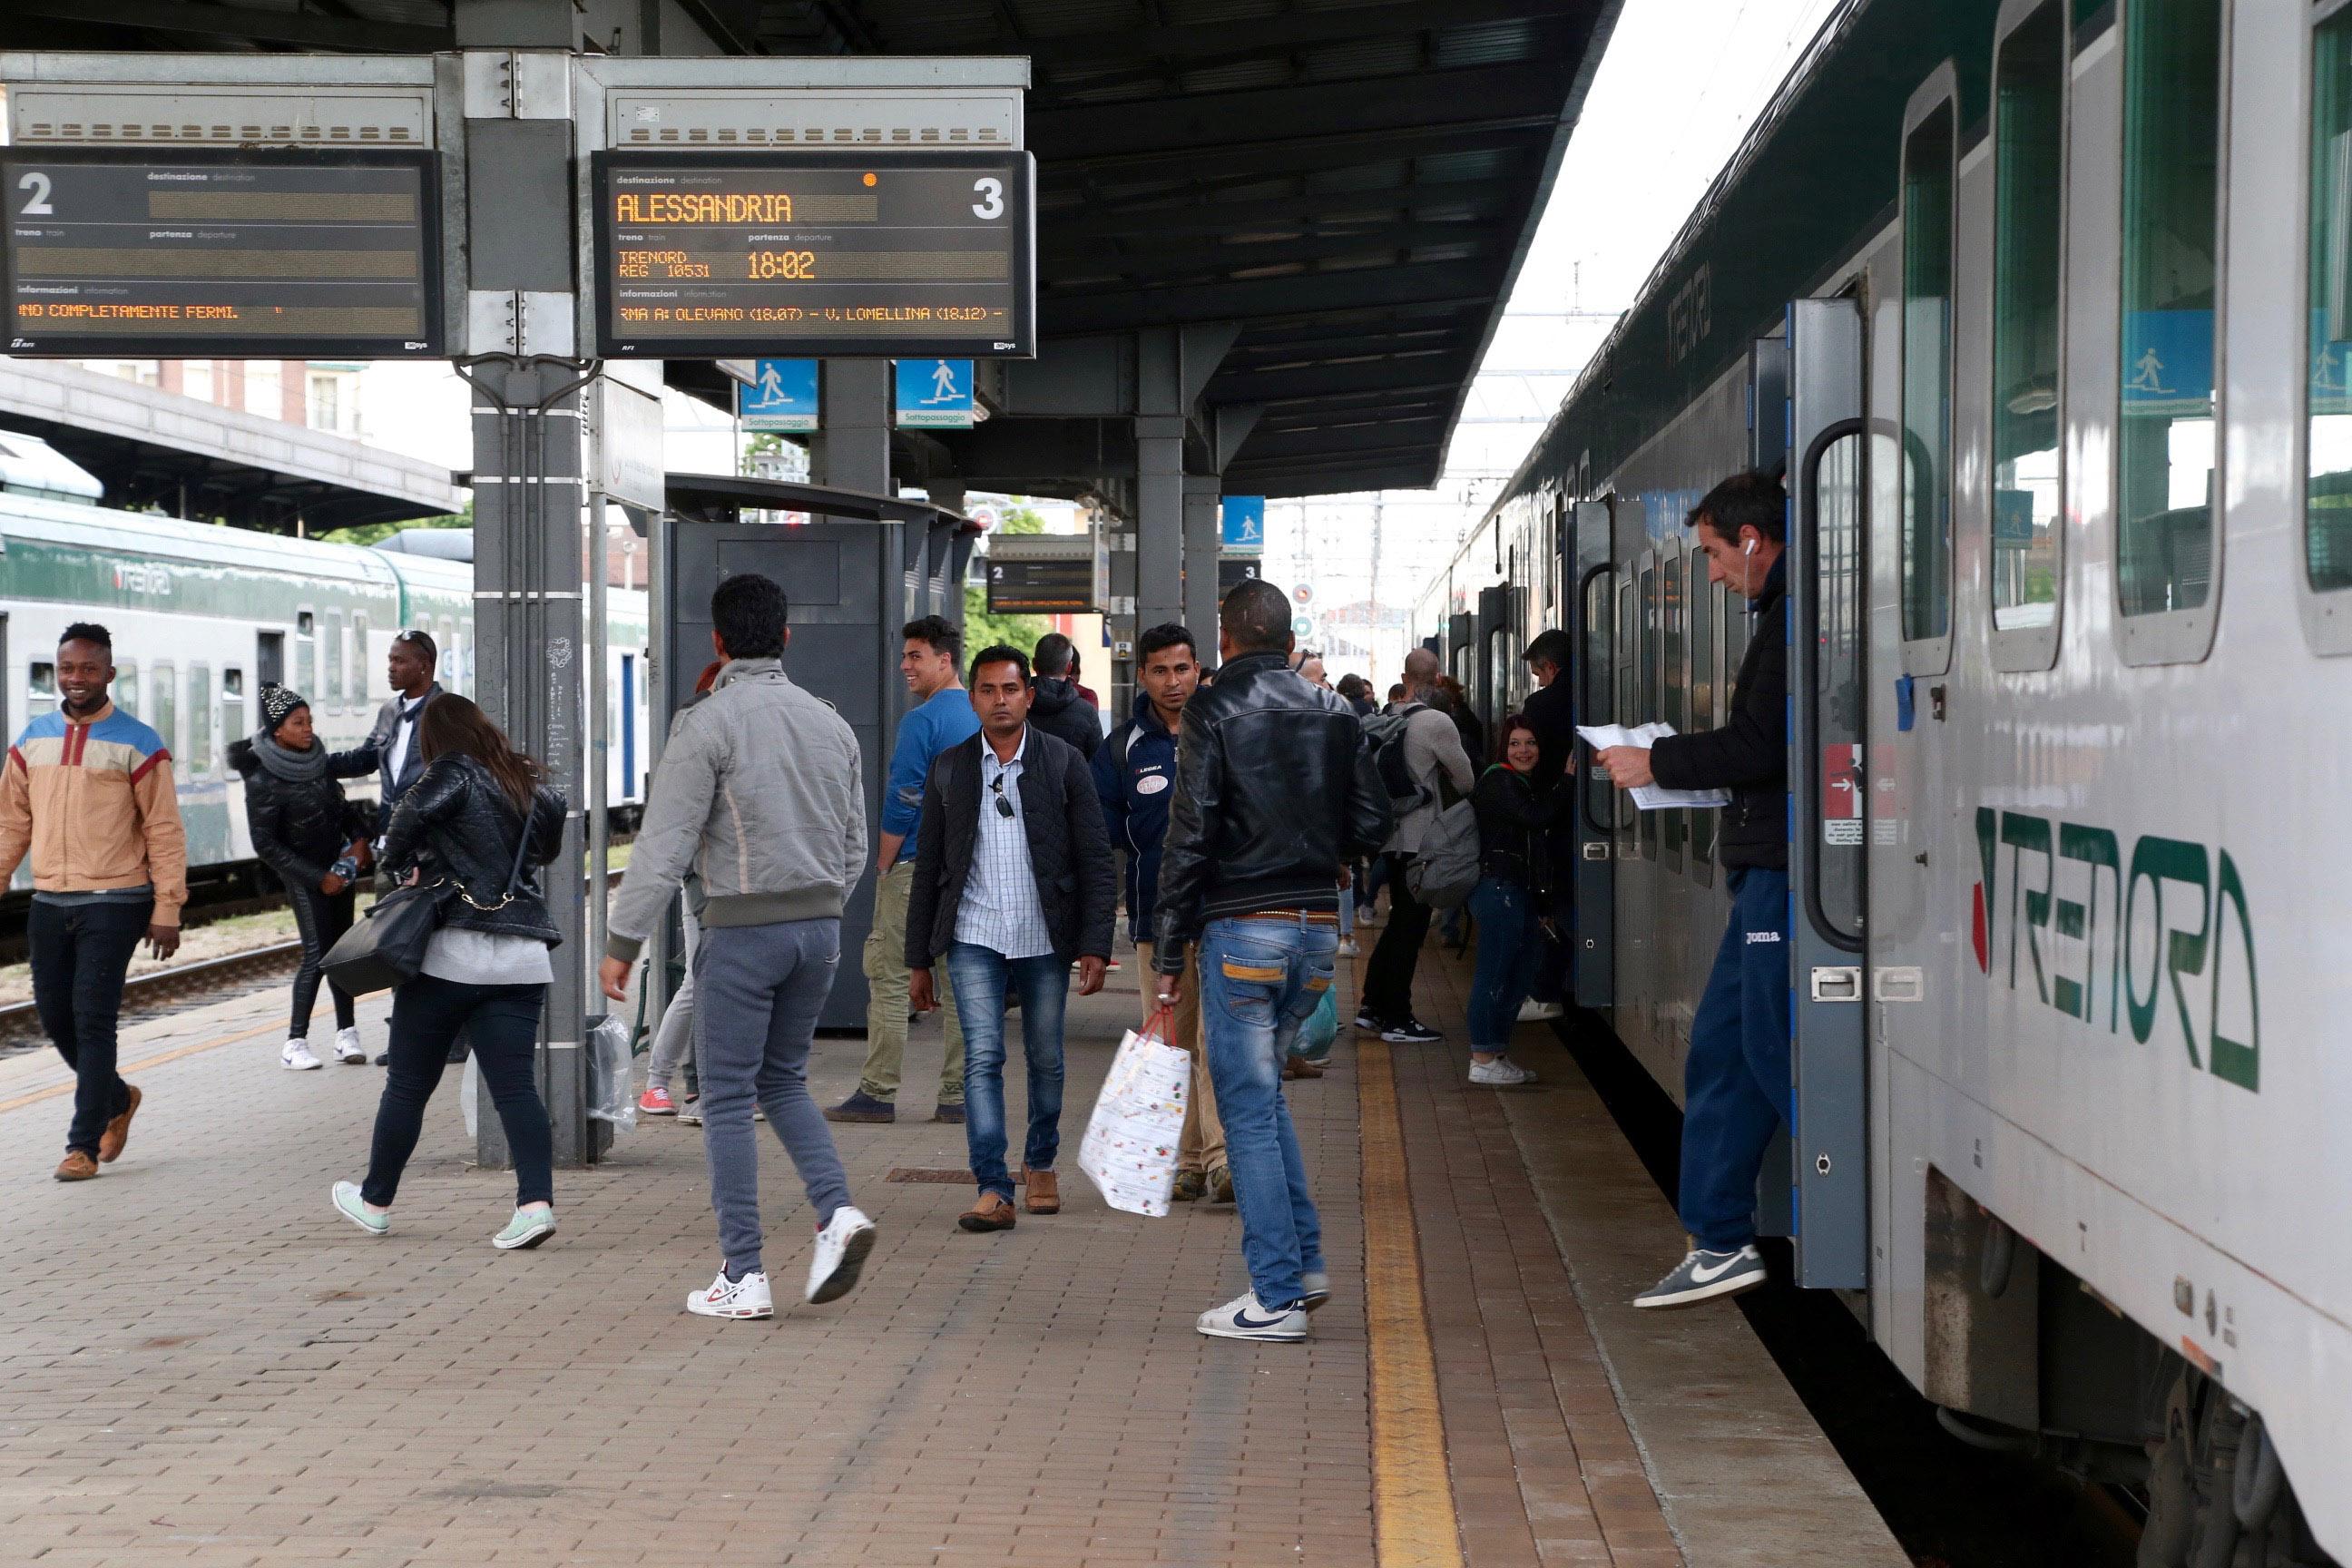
x=386, y=949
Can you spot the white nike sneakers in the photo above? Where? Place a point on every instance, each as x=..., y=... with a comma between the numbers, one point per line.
x=746, y=1298
x=1500, y=1073
x=296, y=1057
x=1705, y=1274
x=1534, y=1012
x=348, y=1049
x=840, y=1249
x=1244, y=1319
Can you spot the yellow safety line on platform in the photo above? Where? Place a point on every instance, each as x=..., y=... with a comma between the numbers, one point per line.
x=127, y=1069
x=1414, y=1521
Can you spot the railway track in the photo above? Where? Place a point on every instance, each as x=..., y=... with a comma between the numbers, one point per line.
x=20, y=1024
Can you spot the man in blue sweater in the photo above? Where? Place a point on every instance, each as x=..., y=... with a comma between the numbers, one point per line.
x=1135, y=772
x=941, y=716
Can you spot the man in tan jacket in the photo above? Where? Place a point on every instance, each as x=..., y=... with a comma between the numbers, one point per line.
x=87, y=790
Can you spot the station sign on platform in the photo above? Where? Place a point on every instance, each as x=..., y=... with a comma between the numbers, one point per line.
x=895, y=253
x=1243, y=518
x=932, y=395
x=781, y=396
x=211, y=252
x=1232, y=571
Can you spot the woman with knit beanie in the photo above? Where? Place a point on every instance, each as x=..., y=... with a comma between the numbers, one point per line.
x=316, y=841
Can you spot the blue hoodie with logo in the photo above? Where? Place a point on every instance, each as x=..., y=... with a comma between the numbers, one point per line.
x=1134, y=779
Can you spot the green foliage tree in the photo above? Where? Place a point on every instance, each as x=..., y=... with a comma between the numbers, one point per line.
x=369, y=532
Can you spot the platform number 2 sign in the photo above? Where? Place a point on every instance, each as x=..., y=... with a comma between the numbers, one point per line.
x=36, y=201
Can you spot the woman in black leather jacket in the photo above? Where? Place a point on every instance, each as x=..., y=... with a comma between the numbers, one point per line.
x=474, y=828
x=316, y=841
x=1515, y=889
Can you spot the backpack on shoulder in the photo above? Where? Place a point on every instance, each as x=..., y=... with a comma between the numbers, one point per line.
x=1384, y=732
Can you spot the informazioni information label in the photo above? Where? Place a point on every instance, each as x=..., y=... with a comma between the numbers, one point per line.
x=888, y=253
x=221, y=253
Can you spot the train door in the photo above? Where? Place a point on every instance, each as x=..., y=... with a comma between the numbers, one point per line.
x=1829, y=828
x=1593, y=626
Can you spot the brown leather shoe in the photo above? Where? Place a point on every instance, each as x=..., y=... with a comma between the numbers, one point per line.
x=1044, y=1195
x=991, y=1212
x=77, y=1166
x=117, y=1130
x=1299, y=1067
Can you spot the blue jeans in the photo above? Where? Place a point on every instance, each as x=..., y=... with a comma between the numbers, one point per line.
x=1260, y=979
x=1736, y=1079
x=980, y=975
x=1510, y=945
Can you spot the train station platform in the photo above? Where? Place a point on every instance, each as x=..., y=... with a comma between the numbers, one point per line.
x=201, y=1364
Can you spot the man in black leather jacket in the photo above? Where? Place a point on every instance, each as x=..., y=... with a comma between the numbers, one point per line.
x=1275, y=793
x=1736, y=1077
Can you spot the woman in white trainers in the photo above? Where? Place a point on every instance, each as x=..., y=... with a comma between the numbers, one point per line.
x=1515, y=873
x=316, y=841
x=477, y=825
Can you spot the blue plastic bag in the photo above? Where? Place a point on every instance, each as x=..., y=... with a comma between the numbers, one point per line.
x=1321, y=1029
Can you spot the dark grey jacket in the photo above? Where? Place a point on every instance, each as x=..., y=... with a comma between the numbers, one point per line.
x=1069, y=850
x=1060, y=711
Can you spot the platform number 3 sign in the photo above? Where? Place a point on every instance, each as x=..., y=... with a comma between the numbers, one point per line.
x=991, y=192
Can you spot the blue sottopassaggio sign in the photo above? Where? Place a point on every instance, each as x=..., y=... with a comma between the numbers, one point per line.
x=933, y=395
x=781, y=396
x=1244, y=519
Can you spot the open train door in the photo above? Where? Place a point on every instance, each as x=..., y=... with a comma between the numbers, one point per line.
x=1828, y=824
x=1592, y=614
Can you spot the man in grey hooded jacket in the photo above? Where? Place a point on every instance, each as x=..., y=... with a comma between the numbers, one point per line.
x=759, y=793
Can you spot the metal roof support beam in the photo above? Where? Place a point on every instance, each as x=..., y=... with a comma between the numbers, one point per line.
x=305, y=30
x=1203, y=536
x=1163, y=391
x=1299, y=294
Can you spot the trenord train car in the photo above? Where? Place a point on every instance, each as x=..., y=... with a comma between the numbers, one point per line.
x=202, y=615
x=2046, y=308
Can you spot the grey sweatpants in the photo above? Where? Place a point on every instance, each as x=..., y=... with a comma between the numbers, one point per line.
x=758, y=992
x=675, y=1037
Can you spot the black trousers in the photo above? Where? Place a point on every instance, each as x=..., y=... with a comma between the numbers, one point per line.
x=426, y=1015
x=80, y=953
x=319, y=919
x=1388, y=985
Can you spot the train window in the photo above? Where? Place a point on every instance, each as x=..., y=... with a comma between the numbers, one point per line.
x=126, y=686
x=452, y=672
x=1927, y=377
x=164, y=705
x=330, y=661
x=270, y=658
x=200, y=720
x=355, y=682
x=1648, y=698
x=1629, y=703
x=1674, y=699
x=232, y=703
x=2028, y=141
x=306, y=655
x=1706, y=605
x=41, y=689
x=2171, y=218
x=1597, y=699
x=2327, y=487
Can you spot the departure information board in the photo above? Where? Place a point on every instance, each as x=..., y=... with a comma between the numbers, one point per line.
x=895, y=253
x=221, y=253
x=1031, y=587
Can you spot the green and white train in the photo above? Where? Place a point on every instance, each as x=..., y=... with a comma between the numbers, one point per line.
x=2046, y=306
x=202, y=615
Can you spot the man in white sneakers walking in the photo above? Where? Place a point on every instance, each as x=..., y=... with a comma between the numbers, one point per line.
x=759, y=791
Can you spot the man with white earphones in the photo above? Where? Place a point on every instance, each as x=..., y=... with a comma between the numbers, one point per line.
x=1736, y=1078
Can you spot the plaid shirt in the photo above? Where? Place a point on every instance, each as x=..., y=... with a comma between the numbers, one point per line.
x=1001, y=909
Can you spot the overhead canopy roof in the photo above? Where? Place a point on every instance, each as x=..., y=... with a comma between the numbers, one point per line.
x=1352, y=182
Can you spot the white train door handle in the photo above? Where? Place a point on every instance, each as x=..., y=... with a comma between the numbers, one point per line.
x=1837, y=983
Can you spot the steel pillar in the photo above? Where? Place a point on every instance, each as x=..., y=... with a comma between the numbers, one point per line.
x=1204, y=534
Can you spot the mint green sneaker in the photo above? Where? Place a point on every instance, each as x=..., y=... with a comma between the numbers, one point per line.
x=528, y=1228
x=348, y=1204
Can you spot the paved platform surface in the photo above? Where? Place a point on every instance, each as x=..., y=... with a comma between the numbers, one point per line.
x=199, y=1362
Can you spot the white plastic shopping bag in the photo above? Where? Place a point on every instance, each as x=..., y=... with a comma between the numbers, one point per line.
x=1129, y=1148
x=612, y=1095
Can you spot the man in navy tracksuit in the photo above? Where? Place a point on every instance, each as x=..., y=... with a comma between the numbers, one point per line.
x=1135, y=775
x=1736, y=1078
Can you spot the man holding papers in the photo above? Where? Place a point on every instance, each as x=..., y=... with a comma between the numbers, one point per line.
x=1736, y=1079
